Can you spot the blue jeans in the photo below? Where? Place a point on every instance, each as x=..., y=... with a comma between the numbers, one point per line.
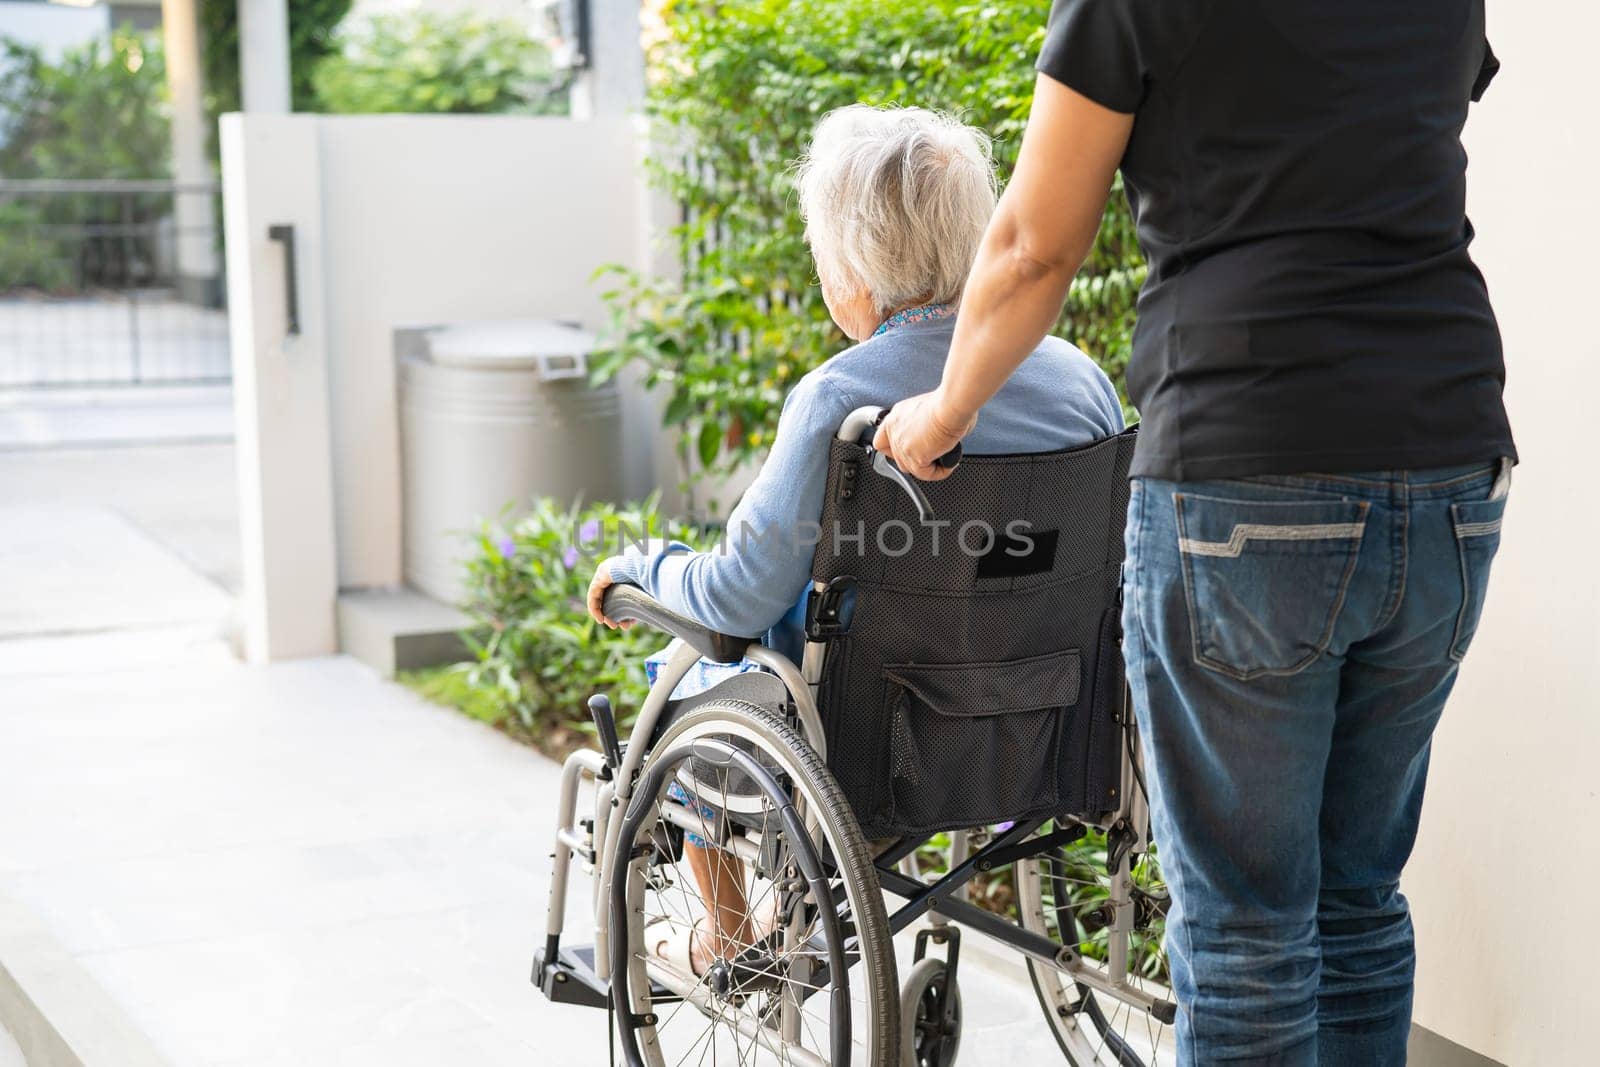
x=1290, y=645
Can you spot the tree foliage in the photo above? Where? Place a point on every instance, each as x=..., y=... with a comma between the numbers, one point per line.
x=735, y=91
x=311, y=29
x=426, y=61
x=100, y=111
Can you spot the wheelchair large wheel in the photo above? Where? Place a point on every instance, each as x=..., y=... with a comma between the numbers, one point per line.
x=810, y=979
x=1065, y=895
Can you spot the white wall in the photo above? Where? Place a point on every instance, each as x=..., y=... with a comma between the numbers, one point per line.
x=431, y=219
x=421, y=219
x=280, y=388
x=1505, y=875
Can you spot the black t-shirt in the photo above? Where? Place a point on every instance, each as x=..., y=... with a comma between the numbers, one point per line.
x=1299, y=184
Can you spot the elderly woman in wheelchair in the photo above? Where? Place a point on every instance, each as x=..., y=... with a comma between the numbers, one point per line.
x=926, y=659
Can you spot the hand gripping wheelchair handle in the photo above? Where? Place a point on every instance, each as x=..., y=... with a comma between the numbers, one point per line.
x=624, y=601
x=861, y=425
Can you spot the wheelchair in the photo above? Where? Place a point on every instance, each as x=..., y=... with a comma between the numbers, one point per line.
x=957, y=737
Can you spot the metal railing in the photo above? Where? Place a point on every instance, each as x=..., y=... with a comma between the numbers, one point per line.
x=110, y=282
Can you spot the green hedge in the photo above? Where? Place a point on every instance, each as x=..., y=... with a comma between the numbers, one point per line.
x=96, y=111
x=99, y=111
x=735, y=91
x=311, y=37
x=426, y=61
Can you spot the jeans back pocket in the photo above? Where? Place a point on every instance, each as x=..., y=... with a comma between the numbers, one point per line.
x=1265, y=581
x=1477, y=530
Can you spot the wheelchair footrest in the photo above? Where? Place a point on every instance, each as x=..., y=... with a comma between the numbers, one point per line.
x=569, y=978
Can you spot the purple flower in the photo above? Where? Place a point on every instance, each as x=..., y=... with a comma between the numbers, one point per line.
x=570, y=558
x=507, y=546
x=1003, y=827
x=589, y=531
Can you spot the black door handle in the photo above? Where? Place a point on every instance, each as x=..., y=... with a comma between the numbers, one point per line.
x=285, y=235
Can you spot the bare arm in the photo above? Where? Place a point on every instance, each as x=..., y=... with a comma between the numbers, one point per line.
x=1043, y=227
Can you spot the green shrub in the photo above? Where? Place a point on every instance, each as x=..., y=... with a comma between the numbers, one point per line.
x=31, y=256
x=311, y=27
x=735, y=90
x=453, y=687
x=426, y=61
x=100, y=111
x=537, y=649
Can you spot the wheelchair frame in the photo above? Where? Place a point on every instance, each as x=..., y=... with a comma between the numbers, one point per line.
x=583, y=976
x=595, y=842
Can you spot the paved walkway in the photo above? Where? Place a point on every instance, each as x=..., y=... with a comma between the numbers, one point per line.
x=305, y=864
x=127, y=453
x=75, y=569
x=85, y=417
x=295, y=865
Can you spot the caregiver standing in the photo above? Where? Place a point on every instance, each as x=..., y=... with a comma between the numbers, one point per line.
x=1321, y=471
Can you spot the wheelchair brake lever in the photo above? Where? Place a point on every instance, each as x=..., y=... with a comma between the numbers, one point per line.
x=882, y=464
x=605, y=725
x=887, y=467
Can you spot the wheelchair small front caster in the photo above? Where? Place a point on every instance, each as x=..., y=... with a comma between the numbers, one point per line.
x=930, y=1016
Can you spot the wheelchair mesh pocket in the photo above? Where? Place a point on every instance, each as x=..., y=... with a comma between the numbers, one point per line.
x=976, y=744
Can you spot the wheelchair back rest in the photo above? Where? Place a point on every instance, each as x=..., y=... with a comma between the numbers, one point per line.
x=973, y=673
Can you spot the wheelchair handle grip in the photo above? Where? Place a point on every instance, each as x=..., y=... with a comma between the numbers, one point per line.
x=949, y=461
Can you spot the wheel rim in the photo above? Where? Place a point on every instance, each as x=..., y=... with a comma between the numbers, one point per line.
x=1067, y=889
x=771, y=996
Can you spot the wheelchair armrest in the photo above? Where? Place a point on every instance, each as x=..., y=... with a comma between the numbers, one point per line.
x=623, y=601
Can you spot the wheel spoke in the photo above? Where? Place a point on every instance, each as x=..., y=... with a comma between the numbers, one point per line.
x=1063, y=895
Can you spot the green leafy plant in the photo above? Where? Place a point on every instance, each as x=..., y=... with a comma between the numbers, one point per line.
x=425, y=61
x=311, y=29
x=32, y=256
x=452, y=686
x=735, y=91
x=1078, y=871
x=537, y=650
x=100, y=111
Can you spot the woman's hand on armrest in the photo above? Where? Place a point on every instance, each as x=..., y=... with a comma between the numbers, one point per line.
x=597, y=596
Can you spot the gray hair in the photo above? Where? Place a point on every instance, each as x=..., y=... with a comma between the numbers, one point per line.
x=895, y=201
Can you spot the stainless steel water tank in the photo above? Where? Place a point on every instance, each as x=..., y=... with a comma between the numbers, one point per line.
x=493, y=414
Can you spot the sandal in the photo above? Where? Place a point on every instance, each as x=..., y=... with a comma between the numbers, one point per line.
x=673, y=947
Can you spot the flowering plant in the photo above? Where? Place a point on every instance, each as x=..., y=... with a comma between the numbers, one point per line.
x=537, y=649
